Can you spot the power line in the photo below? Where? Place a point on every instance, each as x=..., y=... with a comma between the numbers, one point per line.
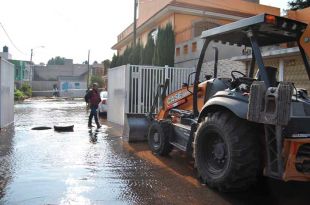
x=8, y=36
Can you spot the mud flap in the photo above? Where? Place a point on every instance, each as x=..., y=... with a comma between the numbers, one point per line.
x=135, y=128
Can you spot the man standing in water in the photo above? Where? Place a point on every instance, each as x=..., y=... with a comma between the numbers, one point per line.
x=94, y=100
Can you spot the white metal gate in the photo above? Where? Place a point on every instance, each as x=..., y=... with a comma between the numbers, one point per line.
x=143, y=83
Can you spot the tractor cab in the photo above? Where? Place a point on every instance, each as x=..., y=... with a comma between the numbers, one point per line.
x=255, y=32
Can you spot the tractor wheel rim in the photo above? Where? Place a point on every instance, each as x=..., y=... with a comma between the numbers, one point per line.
x=216, y=154
x=156, y=140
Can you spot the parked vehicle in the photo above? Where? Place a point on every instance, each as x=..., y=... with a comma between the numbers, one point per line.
x=103, y=106
x=240, y=127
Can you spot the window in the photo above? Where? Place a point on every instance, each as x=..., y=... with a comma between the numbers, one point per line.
x=177, y=52
x=194, y=46
x=185, y=49
x=154, y=34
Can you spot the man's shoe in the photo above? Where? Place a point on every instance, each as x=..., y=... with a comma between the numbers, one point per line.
x=98, y=126
x=90, y=126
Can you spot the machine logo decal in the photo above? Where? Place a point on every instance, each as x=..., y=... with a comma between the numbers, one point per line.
x=177, y=96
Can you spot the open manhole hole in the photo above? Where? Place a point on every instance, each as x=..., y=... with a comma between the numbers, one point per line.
x=41, y=128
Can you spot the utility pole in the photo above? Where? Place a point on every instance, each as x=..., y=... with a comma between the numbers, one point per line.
x=88, y=76
x=135, y=23
x=31, y=55
x=31, y=51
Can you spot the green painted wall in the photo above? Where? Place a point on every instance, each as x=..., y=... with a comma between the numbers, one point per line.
x=19, y=71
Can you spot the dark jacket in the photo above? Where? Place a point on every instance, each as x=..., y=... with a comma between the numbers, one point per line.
x=94, y=98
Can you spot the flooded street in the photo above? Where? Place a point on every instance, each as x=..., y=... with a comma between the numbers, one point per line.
x=94, y=166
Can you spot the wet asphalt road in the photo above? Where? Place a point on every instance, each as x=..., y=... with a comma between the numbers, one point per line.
x=94, y=166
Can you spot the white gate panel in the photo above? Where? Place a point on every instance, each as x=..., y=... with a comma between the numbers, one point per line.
x=144, y=81
x=132, y=88
x=7, y=93
x=117, y=94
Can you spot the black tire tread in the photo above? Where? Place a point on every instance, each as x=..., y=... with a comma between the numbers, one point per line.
x=163, y=129
x=244, y=164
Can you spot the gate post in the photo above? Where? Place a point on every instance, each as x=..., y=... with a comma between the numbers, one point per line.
x=140, y=90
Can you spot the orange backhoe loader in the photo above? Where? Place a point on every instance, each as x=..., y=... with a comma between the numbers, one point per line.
x=240, y=127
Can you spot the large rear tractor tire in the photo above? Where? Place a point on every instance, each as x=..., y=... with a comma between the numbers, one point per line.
x=158, y=138
x=226, y=152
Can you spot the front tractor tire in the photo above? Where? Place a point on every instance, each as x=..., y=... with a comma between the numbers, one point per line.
x=226, y=152
x=158, y=138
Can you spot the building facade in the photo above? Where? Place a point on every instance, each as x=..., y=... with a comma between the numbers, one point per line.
x=188, y=19
x=287, y=59
x=23, y=72
x=68, y=77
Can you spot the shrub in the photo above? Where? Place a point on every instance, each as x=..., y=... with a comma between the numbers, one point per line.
x=19, y=95
x=97, y=79
x=26, y=89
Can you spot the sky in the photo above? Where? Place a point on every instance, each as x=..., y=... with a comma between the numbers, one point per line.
x=68, y=28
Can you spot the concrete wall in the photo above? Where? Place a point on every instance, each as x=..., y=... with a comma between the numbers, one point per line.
x=72, y=88
x=7, y=93
x=191, y=58
x=52, y=72
x=43, y=88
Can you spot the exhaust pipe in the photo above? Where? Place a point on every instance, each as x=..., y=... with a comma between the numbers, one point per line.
x=216, y=59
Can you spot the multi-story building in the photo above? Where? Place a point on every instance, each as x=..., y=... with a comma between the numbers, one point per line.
x=188, y=19
x=23, y=72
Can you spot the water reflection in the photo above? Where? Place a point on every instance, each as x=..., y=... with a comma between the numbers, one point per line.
x=6, y=159
x=93, y=135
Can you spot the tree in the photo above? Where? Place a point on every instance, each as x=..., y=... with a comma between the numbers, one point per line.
x=97, y=79
x=106, y=63
x=164, y=48
x=125, y=57
x=56, y=61
x=114, y=61
x=170, y=46
x=148, y=51
x=95, y=62
x=135, y=55
x=120, y=60
x=85, y=62
x=298, y=4
x=160, y=54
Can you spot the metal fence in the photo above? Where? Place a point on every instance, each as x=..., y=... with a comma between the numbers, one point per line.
x=132, y=88
x=143, y=82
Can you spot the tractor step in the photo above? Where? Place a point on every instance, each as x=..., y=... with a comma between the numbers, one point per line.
x=179, y=146
x=181, y=136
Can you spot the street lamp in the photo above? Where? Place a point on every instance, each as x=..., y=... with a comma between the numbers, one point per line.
x=32, y=52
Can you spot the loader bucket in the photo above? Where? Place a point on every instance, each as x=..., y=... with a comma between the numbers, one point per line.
x=135, y=128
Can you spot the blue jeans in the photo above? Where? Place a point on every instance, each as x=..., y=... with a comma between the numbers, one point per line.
x=93, y=113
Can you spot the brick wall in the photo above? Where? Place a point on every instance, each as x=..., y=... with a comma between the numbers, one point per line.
x=294, y=71
x=224, y=68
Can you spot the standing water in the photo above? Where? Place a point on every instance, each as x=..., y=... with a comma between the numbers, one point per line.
x=87, y=166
